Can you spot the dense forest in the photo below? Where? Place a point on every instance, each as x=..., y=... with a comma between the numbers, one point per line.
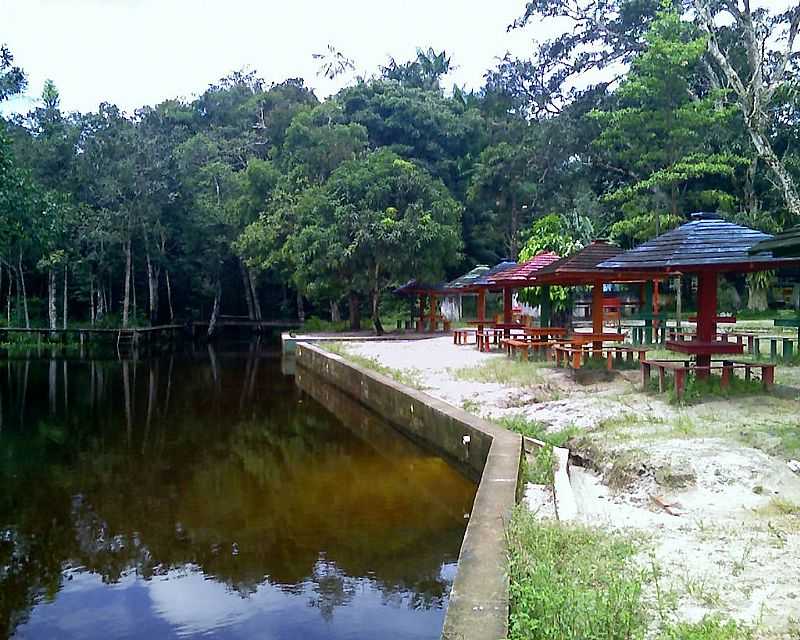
x=264, y=200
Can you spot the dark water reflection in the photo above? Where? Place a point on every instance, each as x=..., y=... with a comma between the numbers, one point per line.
x=207, y=495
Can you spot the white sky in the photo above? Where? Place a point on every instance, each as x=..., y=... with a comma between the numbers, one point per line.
x=136, y=52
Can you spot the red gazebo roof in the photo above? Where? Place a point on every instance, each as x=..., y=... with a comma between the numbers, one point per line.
x=521, y=274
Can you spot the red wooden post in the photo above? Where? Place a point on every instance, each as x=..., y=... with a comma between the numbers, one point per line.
x=768, y=375
x=597, y=312
x=727, y=372
x=421, y=320
x=481, y=308
x=706, y=316
x=432, y=324
x=655, y=307
x=507, y=310
x=645, y=367
x=680, y=382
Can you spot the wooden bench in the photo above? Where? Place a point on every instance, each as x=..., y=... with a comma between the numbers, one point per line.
x=525, y=346
x=680, y=368
x=787, y=346
x=424, y=324
x=487, y=337
x=575, y=357
x=461, y=336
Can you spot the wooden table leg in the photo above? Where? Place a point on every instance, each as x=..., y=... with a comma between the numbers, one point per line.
x=680, y=382
x=768, y=375
x=645, y=368
x=727, y=370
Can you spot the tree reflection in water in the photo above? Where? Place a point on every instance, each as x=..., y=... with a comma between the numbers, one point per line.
x=214, y=463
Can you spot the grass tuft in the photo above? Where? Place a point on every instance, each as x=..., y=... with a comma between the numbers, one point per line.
x=409, y=377
x=571, y=582
x=503, y=371
x=710, y=628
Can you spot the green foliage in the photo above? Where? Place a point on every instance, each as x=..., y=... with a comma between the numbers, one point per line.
x=709, y=628
x=549, y=233
x=657, y=132
x=571, y=582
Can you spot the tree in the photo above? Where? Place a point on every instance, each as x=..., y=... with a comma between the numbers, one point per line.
x=550, y=233
x=383, y=220
x=754, y=58
x=12, y=77
x=603, y=35
x=656, y=131
x=423, y=73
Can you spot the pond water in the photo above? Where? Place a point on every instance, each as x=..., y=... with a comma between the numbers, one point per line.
x=208, y=495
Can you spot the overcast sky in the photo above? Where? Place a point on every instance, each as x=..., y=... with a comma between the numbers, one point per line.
x=136, y=52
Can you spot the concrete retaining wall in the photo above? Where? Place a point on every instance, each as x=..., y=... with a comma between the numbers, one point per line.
x=478, y=607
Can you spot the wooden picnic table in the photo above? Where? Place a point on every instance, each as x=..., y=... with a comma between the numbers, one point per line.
x=485, y=337
x=699, y=348
x=545, y=332
x=575, y=357
x=481, y=324
x=581, y=339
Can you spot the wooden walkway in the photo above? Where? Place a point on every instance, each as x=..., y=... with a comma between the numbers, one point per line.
x=133, y=335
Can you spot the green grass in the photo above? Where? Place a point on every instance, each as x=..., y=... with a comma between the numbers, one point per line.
x=710, y=628
x=541, y=468
x=533, y=429
x=503, y=371
x=409, y=377
x=572, y=583
x=314, y=324
x=780, y=507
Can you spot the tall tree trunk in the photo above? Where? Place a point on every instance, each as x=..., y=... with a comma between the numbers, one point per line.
x=51, y=298
x=248, y=294
x=751, y=200
x=8, y=297
x=354, y=305
x=376, y=302
x=92, y=311
x=64, y=318
x=126, y=302
x=335, y=315
x=152, y=287
x=254, y=292
x=169, y=300
x=21, y=273
x=301, y=311
x=212, y=323
x=133, y=294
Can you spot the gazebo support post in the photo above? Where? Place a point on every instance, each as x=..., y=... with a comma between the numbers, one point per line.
x=706, y=316
x=597, y=314
x=432, y=316
x=481, y=308
x=421, y=322
x=656, y=322
x=545, y=308
x=647, y=305
x=507, y=310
